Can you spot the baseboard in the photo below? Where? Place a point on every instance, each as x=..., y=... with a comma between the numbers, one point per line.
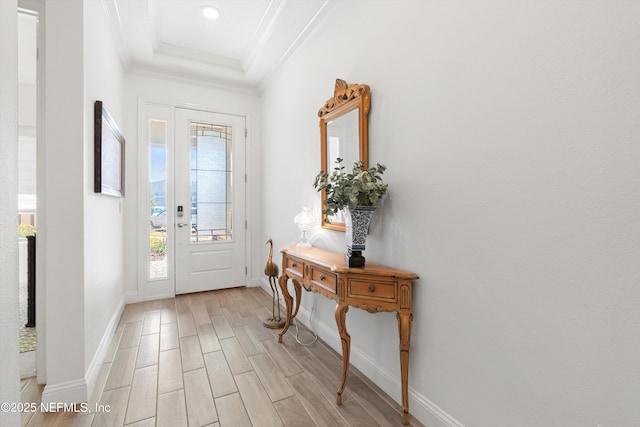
x=28, y=364
x=135, y=297
x=92, y=373
x=78, y=390
x=421, y=408
x=65, y=393
x=430, y=413
x=264, y=284
x=131, y=297
x=255, y=282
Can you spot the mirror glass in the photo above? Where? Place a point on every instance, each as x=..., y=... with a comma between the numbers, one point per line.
x=343, y=133
x=342, y=142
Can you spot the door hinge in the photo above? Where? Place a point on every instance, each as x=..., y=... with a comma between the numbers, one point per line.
x=246, y=132
x=246, y=224
x=245, y=178
x=246, y=270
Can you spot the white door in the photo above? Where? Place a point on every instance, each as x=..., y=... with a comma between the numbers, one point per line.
x=209, y=201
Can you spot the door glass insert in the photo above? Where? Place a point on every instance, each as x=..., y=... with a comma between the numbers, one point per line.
x=157, y=199
x=211, y=182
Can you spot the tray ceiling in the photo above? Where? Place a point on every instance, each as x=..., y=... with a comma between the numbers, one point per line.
x=242, y=47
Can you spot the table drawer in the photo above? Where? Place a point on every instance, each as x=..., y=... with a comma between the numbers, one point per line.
x=294, y=264
x=324, y=279
x=376, y=290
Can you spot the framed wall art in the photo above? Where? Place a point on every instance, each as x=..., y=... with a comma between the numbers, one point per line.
x=108, y=154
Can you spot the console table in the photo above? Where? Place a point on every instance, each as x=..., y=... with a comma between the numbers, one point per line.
x=373, y=288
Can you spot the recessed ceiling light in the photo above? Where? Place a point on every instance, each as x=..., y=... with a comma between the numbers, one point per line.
x=210, y=12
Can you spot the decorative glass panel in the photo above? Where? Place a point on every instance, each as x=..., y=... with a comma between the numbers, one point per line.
x=211, y=183
x=157, y=199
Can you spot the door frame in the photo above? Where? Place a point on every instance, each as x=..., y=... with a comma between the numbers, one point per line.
x=146, y=289
x=38, y=7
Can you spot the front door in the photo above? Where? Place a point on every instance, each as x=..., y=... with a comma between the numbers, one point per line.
x=210, y=225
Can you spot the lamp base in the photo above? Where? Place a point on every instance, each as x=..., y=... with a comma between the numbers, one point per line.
x=354, y=259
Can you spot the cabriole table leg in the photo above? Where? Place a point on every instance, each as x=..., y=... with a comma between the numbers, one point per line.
x=345, y=338
x=288, y=302
x=404, y=328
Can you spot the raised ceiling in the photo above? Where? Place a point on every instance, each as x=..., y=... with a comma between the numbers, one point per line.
x=241, y=48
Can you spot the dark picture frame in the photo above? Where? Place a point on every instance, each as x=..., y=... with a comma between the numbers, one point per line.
x=108, y=154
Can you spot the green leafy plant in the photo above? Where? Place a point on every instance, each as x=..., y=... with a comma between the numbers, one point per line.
x=158, y=245
x=359, y=188
x=25, y=230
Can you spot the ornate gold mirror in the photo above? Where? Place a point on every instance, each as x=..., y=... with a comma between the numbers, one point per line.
x=344, y=133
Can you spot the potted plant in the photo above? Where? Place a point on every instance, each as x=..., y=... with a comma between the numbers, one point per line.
x=357, y=194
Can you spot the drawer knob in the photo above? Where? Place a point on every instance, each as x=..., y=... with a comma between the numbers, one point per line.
x=372, y=288
x=294, y=265
x=306, y=271
x=322, y=278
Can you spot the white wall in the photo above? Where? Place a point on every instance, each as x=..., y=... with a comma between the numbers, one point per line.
x=181, y=93
x=83, y=235
x=9, y=367
x=510, y=131
x=61, y=228
x=103, y=215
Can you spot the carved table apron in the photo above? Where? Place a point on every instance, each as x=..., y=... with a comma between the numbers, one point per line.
x=373, y=288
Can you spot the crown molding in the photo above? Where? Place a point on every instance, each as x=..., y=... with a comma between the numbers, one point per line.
x=112, y=11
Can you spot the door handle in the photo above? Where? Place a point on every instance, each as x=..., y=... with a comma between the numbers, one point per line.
x=182, y=224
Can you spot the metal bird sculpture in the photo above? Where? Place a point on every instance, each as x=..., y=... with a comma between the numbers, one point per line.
x=271, y=270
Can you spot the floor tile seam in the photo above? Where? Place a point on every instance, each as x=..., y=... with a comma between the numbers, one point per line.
x=138, y=421
x=244, y=404
x=229, y=368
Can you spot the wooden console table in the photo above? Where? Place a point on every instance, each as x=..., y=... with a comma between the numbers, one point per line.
x=373, y=288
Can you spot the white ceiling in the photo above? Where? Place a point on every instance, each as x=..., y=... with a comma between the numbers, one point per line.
x=240, y=48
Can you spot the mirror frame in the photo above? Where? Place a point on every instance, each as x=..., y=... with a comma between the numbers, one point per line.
x=346, y=97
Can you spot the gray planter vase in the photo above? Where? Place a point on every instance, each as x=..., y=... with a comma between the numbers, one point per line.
x=356, y=230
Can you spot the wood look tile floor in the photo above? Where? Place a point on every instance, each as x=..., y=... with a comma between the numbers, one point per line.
x=206, y=360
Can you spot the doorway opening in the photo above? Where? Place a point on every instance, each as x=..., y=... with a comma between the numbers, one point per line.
x=192, y=234
x=27, y=189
